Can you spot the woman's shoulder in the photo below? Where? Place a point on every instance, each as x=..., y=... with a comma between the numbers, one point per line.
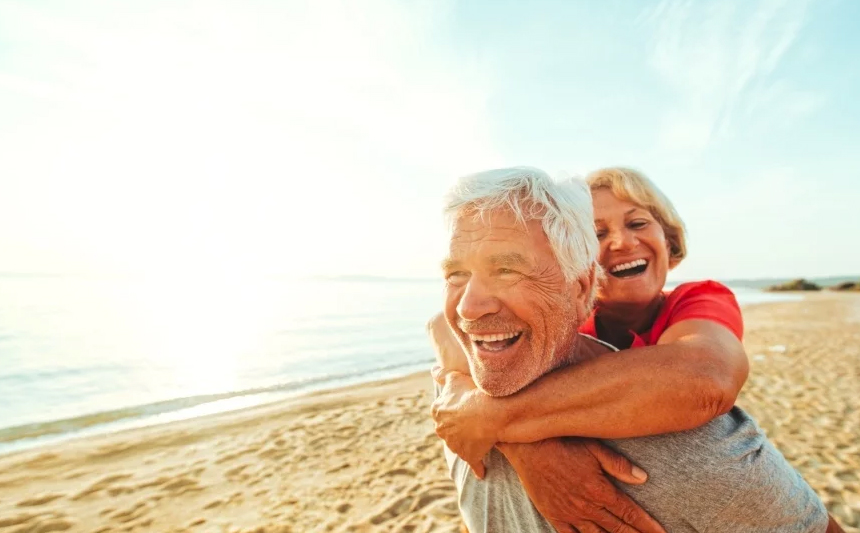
x=706, y=299
x=696, y=288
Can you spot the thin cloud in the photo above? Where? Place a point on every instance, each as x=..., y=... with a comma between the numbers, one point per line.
x=719, y=61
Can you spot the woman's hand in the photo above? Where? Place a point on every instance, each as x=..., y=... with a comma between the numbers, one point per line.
x=568, y=482
x=466, y=419
x=449, y=353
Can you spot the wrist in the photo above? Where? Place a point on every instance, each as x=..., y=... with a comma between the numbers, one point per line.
x=504, y=417
x=523, y=454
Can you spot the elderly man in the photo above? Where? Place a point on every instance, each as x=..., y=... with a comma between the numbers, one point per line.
x=520, y=280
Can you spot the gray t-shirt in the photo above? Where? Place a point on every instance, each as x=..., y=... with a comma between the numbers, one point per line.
x=724, y=476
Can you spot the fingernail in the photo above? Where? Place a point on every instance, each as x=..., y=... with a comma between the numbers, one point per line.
x=639, y=474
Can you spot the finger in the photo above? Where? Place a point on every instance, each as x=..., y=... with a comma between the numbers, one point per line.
x=629, y=512
x=616, y=465
x=610, y=522
x=442, y=375
x=436, y=372
x=562, y=527
x=479, y=469
x=589, y=527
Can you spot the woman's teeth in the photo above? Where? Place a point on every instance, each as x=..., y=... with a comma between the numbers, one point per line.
x=631, y=268
x=627, y=266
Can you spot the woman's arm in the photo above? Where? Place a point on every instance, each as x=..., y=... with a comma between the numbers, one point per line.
x=691, y=376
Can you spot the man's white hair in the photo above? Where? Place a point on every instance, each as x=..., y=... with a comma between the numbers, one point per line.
x=563, y=206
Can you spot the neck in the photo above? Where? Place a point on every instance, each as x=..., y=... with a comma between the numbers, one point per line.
x=616, y=321
x=584, y=348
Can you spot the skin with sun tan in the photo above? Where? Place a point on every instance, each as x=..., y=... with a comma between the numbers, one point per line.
x=691, y=376
x=508, y=302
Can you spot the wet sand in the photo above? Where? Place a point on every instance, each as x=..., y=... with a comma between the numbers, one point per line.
x=365, y=458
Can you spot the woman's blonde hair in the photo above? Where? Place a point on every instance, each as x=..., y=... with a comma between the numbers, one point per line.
x=633, y=186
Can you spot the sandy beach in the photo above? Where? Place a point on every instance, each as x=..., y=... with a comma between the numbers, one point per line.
x=366, y=459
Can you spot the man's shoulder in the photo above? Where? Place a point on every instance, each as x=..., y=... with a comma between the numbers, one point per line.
x=594, y=346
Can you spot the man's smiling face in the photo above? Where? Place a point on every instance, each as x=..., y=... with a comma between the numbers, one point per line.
x=508, y=302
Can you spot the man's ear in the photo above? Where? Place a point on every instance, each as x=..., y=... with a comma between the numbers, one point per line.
x=587, y=282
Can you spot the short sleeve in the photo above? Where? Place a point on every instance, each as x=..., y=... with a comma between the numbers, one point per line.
x=708, y=300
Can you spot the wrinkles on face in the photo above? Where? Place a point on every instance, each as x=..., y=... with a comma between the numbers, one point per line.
x=505, y=274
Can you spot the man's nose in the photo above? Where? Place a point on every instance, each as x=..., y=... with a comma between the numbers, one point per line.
x=477, y=301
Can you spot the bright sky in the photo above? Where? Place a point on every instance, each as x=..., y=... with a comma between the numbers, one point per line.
x=319, y=136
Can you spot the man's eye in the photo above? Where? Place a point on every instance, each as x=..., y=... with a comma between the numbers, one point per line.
x=504, y=271
x=456, y=277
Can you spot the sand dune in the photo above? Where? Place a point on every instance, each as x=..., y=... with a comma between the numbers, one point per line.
x=365, y=458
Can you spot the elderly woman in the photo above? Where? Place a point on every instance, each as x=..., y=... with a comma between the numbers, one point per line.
x=682, y=363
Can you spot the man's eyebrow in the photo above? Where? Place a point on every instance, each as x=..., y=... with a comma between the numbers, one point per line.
x=449, y=264
x=508, y=259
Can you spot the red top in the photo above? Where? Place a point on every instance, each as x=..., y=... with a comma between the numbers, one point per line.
x=706, y=300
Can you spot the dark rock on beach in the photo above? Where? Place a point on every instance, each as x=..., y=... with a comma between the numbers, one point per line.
x=847, y=286
x=794, y=285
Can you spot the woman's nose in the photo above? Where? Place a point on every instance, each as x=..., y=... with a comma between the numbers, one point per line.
x=621, y=240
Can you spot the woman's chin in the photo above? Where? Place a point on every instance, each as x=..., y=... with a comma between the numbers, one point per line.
x=630, y=292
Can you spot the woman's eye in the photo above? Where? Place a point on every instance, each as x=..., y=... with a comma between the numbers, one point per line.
x=601, y=235
x=638, y=224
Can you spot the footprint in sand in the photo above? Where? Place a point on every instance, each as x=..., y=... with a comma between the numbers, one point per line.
x=101, y=484
x=338, y=468
x=213, y=504
x=47, y=526
x=235, y=471
x=135, y=511
x=40, y=499
x=399, y=472
x=16, y=520
x=181, y=485
x=161, y=480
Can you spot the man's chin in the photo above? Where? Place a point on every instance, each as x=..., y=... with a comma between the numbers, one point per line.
x=500, y=384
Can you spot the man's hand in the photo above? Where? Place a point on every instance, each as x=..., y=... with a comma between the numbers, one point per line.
x=567, y=481
x=464, y=418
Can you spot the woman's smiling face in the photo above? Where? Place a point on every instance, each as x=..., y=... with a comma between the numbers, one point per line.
x=634, y=250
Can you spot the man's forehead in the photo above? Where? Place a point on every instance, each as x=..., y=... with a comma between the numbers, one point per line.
x=497, y=237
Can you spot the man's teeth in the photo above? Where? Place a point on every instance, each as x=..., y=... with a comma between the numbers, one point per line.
x=631, y=264
x=495, y=337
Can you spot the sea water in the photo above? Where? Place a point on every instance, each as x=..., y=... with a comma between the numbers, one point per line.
x=82, y=355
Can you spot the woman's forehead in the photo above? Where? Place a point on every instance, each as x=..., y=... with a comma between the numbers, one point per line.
x=606, y=204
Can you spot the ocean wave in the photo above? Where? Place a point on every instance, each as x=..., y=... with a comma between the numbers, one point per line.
x=73, y=424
